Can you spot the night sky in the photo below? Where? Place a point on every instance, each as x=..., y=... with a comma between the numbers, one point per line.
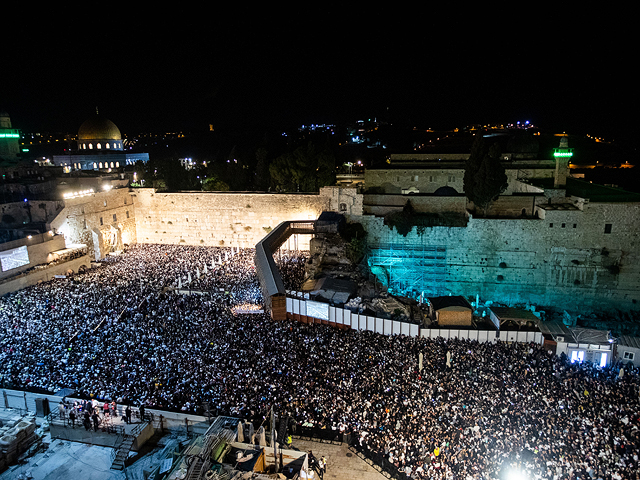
x=561, y=72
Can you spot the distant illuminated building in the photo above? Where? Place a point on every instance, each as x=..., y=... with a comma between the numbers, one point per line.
x=9, y=140
x=562, y=155
x=98, y=133
x=100, y=147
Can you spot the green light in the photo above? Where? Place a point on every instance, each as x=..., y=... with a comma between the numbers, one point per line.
x=9, y=135
x=563, y=154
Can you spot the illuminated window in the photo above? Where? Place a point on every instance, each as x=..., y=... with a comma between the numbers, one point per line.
x=100, y=164
x=91, y=146
x=95, y=165
x=603, y=359
x=107, y=145
x=111, y=164
x=84, y=146
x=577, y=356
x=98, y=146
x=117, y=164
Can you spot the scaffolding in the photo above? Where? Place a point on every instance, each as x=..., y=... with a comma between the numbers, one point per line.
x=412, y=270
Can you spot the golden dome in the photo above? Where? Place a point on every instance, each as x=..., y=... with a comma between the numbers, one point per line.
x=99, y=128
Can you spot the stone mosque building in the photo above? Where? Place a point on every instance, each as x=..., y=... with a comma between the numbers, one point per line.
x=100, y=148
x=99, y=133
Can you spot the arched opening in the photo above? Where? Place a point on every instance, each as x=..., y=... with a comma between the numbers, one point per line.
x=446, y=191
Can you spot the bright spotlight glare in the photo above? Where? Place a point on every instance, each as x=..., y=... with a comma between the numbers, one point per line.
x=515, y=474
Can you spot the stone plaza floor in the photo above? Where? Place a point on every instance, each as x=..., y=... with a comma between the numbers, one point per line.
x=342, y=464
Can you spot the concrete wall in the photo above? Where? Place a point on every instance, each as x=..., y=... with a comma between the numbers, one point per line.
x=42, y=275
x=524, y=260
x=219, y=219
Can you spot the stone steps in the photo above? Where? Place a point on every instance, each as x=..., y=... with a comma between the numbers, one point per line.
x=122, y=453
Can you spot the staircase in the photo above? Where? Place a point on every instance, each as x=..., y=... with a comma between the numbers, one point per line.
x=121, y=452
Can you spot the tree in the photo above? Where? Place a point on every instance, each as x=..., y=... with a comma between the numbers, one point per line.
x=306, y=169
x=214, y=184
x=167, y=173
x=262, y=178
x=485, y=177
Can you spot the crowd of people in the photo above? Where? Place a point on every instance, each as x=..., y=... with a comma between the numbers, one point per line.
x=121, y=332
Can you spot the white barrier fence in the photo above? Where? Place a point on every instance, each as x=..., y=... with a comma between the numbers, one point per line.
x=484, y=335
x=342, y=316
x=297, y=304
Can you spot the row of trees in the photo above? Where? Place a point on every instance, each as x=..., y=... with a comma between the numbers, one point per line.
x=306, y=168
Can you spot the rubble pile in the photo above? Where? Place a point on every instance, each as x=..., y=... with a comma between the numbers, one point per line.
x=17, y=434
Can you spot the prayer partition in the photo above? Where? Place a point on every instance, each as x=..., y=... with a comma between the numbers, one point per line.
x=301, y=308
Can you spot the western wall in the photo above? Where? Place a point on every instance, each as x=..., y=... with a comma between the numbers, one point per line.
x=220, y=219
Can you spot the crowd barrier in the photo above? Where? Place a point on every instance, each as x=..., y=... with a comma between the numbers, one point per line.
x=301, y=308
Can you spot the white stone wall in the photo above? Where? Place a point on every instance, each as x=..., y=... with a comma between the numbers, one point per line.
x=104, y=221
x=219, y=219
